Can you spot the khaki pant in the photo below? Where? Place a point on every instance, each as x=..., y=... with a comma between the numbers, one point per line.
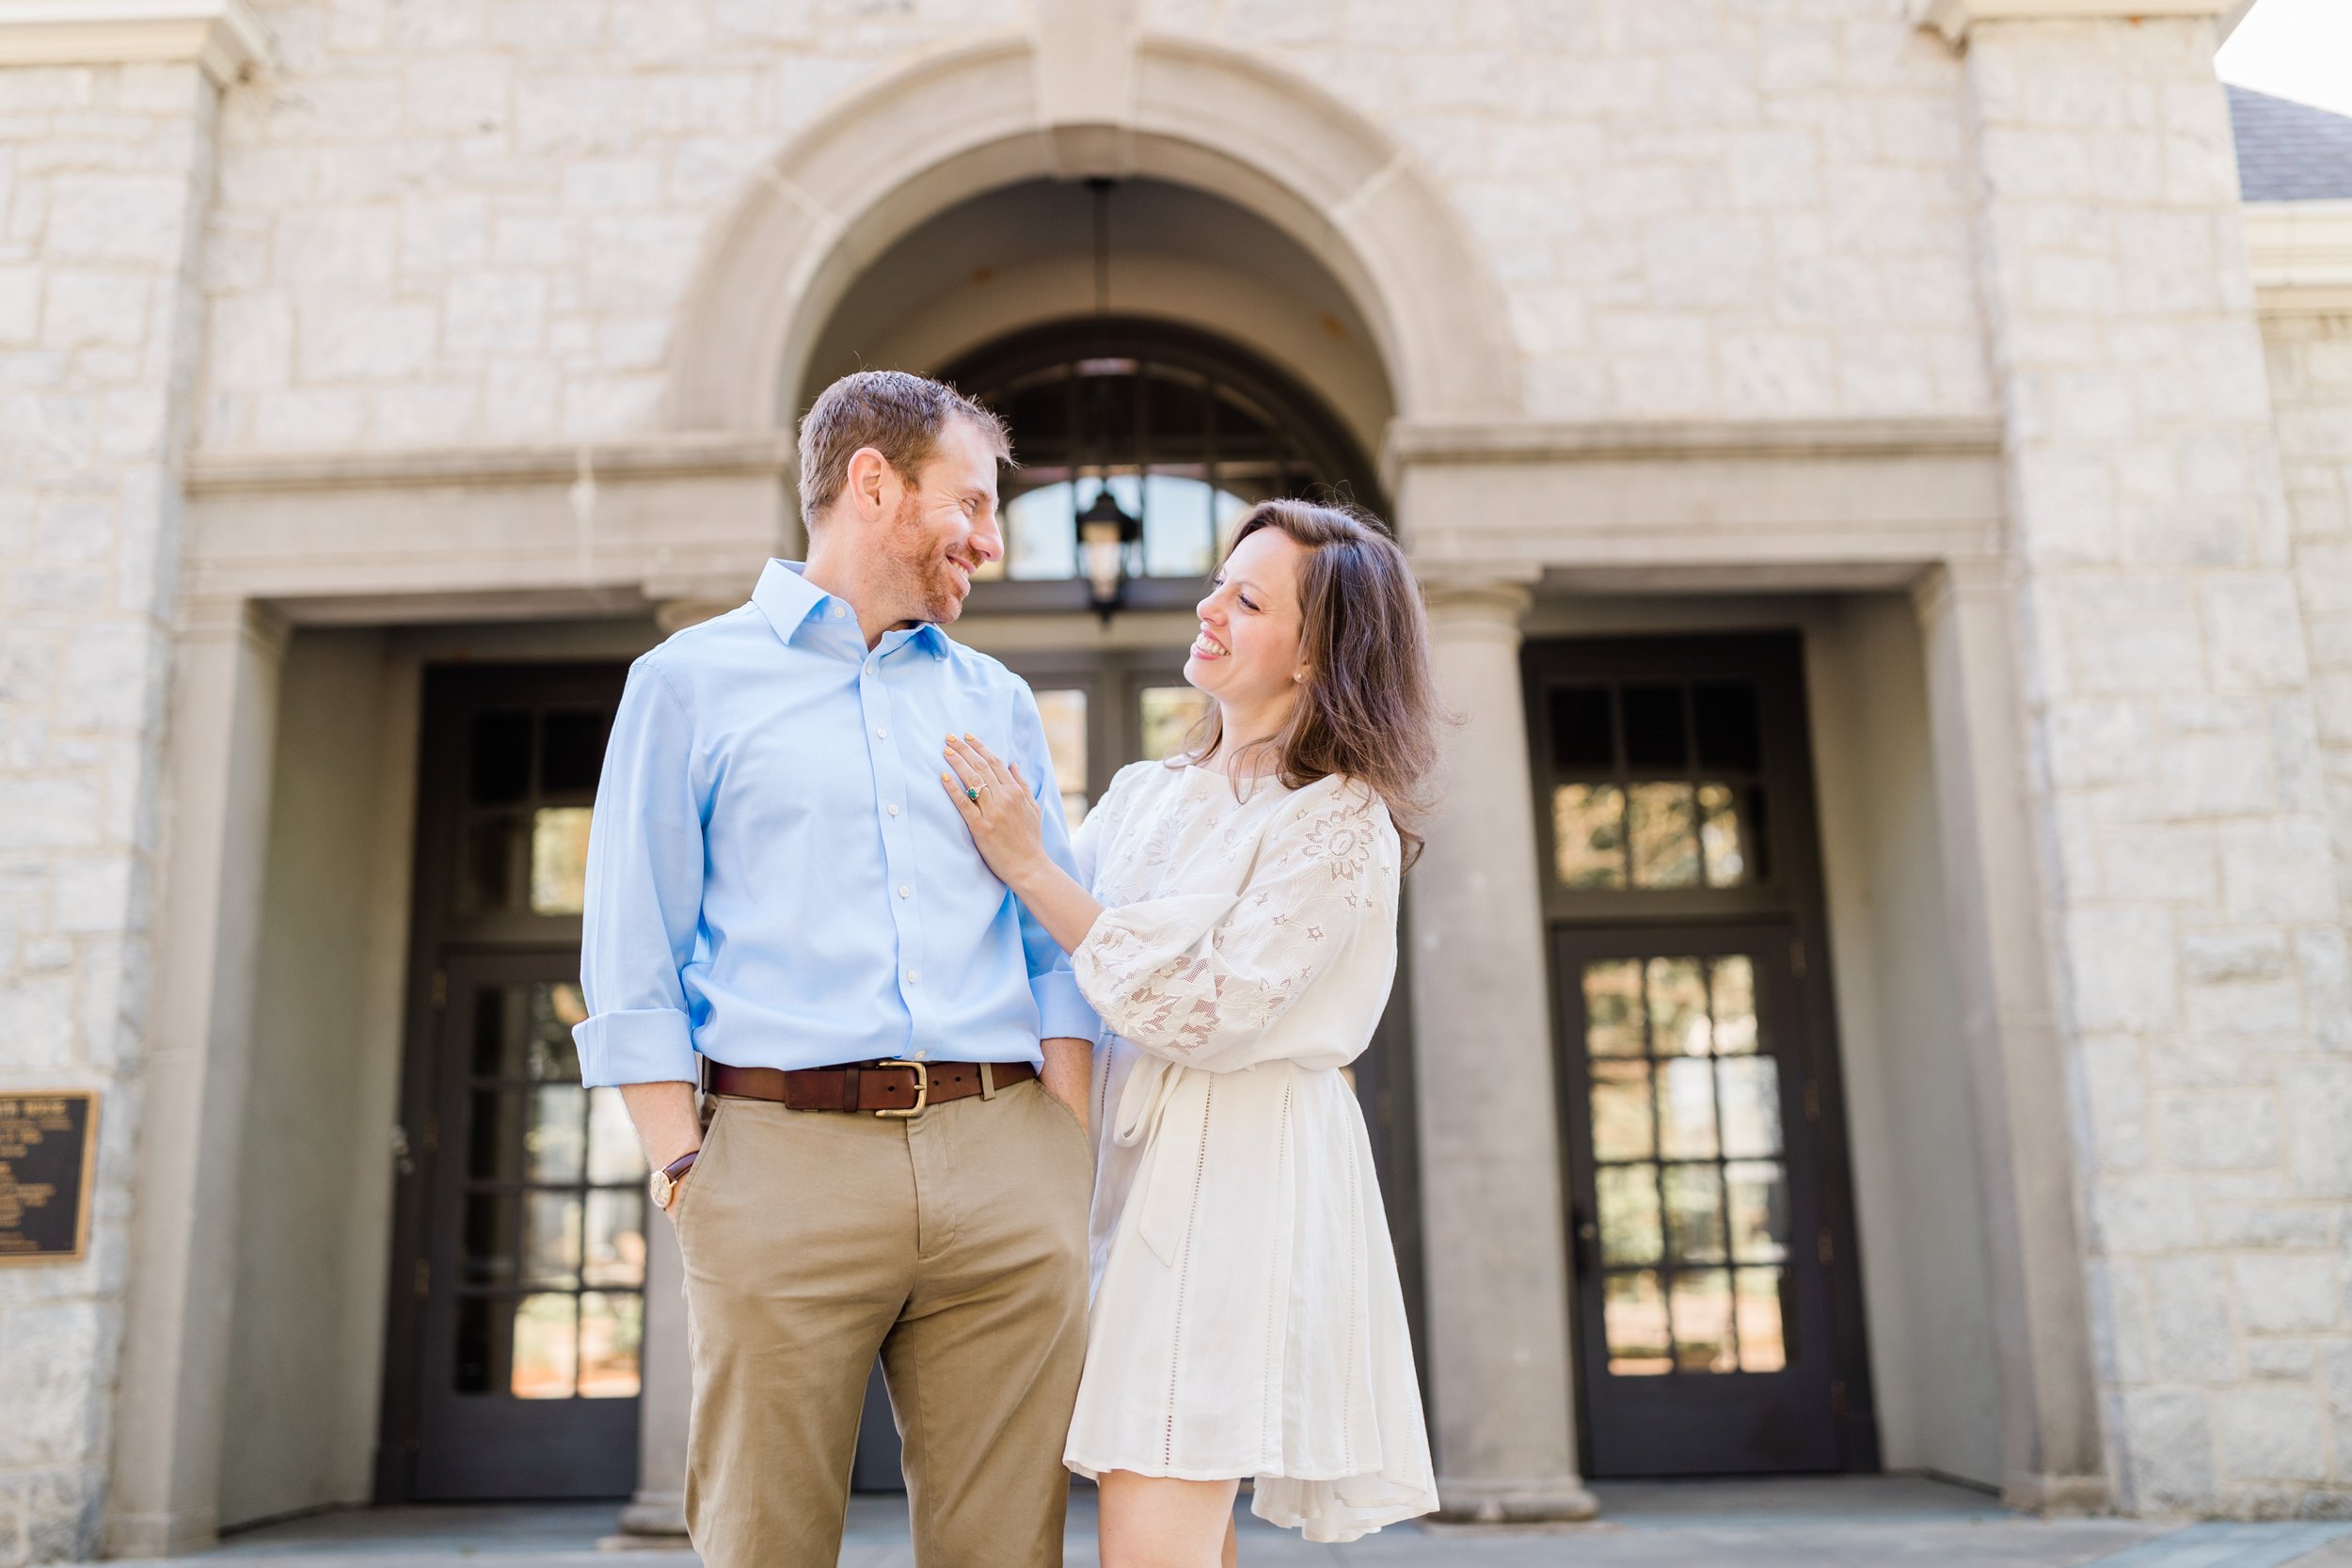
x=954, y=1244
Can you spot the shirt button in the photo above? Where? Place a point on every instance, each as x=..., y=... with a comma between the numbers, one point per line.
x=892, y=810
x=922, y=1055
x=913, y=975
x=905, y=892
x=839, y=613
x=881, y=735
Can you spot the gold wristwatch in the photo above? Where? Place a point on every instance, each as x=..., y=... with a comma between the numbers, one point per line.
x=665, y=1183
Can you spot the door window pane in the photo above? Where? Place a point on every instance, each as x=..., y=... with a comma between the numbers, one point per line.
x=1615, y=1022
x=1751, y=1103
x=1633, y=1311
x=1169, y=714
x=1730, y=732
x=546, y=1348
x=1677, y=1008
x=1694, y=1215
x=1757, y=1201
x=1686, y=1109
x=493, y=852
x=612, y=1335
x=488, y=1254
x=1654, y=727
x=555, y=1011
x=1588, y=828
x=1719, y=836
x=1629, y=1213
x=498, y=758
x=552, y=1240
x=1621, y=1111
x=616, y=1237
x=1701, y=1309
x=1583, y=728
x=559, y=858
x=1734, y=985
x=1661, y=820
x=571, y=751
x=1764, y=1345
x=555, y=1136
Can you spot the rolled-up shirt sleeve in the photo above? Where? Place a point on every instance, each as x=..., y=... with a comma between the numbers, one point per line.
x=1062, y=1012
x=643, y=893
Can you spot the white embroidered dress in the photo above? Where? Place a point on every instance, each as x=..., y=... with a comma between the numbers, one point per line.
x=1247, y=1318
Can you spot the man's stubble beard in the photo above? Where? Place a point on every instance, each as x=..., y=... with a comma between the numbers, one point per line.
x=921, y=580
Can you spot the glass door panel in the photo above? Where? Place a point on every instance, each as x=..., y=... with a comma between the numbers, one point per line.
x=1703, y=1316
x=534, y=1286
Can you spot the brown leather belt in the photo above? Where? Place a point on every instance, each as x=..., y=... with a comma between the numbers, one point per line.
x=892, y=1088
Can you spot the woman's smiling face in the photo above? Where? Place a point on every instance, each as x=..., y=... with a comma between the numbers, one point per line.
x=1247, y=655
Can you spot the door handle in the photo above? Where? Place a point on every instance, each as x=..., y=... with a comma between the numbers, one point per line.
x=1584, y=1234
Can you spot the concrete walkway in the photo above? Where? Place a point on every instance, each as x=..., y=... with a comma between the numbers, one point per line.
x=1860, y=1522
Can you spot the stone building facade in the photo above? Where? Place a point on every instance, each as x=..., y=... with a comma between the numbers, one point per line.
x=1921, y=364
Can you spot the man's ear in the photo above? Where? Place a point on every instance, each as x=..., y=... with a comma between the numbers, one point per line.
x=862, y=488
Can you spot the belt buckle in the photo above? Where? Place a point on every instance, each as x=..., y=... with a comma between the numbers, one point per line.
x=922, y=1090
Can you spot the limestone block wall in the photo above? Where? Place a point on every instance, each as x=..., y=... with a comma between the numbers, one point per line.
x=104, y=176
x=2175, y=764
x=447, y=222
x=1704, y=209
x=2310, y=387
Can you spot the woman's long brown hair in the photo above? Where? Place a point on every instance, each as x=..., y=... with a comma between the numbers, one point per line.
x=1369, y=707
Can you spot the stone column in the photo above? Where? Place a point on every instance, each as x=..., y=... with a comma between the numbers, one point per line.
x=167, y=1480
x=2174, y=791
x=1500, y=1382
x=2050, y=1449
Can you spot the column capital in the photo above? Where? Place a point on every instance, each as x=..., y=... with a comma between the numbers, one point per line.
x=1954, y=18
x=1489, y=597
x=221, y=35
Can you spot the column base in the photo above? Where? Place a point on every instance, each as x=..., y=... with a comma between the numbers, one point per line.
x=649, y=1524
x=161, y=1534
x=2030, y=1493
x=1548, y=1501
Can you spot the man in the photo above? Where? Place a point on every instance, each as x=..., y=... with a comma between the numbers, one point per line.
x=779, y=887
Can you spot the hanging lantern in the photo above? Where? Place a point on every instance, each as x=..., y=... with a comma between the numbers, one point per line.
x=1106, y=538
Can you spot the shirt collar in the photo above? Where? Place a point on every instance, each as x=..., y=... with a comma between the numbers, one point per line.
x=788, y=600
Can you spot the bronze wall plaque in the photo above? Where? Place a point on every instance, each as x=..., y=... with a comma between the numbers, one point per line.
x=48, y=1147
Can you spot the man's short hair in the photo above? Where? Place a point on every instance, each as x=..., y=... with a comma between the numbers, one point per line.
x=898, y=415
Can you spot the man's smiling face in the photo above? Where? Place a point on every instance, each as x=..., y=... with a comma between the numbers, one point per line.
x=946, y=528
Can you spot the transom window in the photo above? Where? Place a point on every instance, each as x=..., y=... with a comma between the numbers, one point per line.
x=1186, y=432
x=1657, y=785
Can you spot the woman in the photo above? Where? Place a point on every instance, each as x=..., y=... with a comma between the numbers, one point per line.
x=1234, y=924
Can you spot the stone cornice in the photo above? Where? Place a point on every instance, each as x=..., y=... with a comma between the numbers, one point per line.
x=1954, y=18
x=2301, y=254
x=1414, y=442
x=659, y=456
x=223, y=37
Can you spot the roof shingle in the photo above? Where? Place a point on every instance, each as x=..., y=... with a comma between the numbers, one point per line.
x=2289, y=151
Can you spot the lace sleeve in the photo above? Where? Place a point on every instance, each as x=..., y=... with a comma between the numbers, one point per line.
x=1200, y=977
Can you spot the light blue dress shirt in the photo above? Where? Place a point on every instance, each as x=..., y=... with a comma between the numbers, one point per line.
x=776, y=877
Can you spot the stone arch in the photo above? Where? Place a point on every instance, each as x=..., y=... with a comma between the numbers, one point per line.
x=1019, y=107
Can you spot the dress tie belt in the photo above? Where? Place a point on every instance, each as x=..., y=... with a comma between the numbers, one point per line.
x=1165, y=1107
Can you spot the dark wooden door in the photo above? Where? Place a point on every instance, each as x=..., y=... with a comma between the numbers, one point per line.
x=513, y=1344
x=1718, y=1318
x=534, y=1305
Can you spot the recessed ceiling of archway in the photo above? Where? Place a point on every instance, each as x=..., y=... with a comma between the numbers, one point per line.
x=1024, y=254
